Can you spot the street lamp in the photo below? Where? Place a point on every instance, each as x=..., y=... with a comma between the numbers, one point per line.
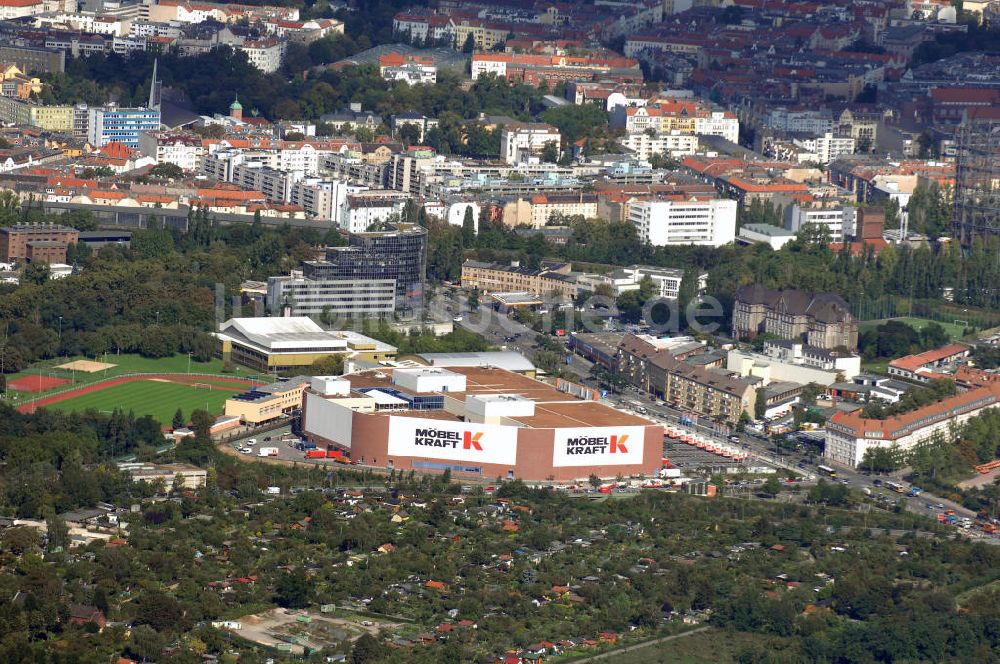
x=60, y=334
x=189, y=362
x=157, y=317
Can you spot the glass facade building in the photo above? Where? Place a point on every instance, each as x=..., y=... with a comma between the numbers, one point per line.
x=977, y=176
x=399, y=254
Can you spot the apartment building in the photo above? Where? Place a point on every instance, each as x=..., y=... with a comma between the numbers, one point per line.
x=536, y=68
x=485, y=34
x=322, y=199
x=680, y=222
x=513, y=278
x=17, y=111
x=839, y=220
x=274, y=184
x=828, y=146
x=823, y=320
x=424, y=28
x=671, y=144
x=850, y=435
x=11, y=9
x=662, y=371
x=814, y=122
x=14, y=83
x=264, y=54
x=538, y=210
x=685, y=116
x=363, y=210
x=522, y=140
x=184, y=150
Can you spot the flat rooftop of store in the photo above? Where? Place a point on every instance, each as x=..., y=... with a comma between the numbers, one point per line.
x=552, y=407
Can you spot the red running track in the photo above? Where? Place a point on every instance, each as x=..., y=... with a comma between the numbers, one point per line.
x=183, y=379
x=36, y=383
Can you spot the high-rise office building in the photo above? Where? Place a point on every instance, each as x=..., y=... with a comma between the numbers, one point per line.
x=977, y=175
x=122, y=125
x=351, y=298
x=400, y=254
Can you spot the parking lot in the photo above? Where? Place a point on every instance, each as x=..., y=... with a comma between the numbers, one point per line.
x=281, y=439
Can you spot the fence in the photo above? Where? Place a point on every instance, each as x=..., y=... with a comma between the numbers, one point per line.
x=79, y=386
x=890, y=306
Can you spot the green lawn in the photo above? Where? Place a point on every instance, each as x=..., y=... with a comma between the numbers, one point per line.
x=125, y=364
x=877, y=367
x=161, y=400
x=954, y=331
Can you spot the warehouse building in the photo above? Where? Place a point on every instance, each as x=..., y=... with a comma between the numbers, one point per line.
x=479, y=421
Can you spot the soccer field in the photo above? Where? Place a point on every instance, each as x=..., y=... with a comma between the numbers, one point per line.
x=954, y=331
x=151, y=397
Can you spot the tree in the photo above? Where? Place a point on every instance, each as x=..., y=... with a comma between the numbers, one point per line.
x=178, y=420
x=368, y=649
x=166, y=170
x=331, y=365
x=772, y=487
x=201, y=423
x=36, y=272
x=146, y=644
x=293, y=590
x=409, y=134
x=881, y=460
x=470, y=44
x=576, y=121
x=158, y=610
x=550, y=152
x=930, y=457
x=760, y=404
x=19, y=540
x=594, y=480
x=57, y=532
x=468, y=228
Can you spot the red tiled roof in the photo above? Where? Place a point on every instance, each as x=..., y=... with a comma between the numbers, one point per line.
x=900, y=425
x=914, y=362
x=965, y=95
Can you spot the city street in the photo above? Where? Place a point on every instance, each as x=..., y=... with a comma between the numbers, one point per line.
x=501, y=331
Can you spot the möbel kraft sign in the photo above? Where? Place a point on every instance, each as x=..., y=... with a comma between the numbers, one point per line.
x=452, y=441
x=598, y=446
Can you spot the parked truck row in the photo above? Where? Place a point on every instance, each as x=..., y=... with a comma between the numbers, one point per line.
x=329, y=453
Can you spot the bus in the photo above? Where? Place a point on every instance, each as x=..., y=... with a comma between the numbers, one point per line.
x=826, y=470
x=895, y=486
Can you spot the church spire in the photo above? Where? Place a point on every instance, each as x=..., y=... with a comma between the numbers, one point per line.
x=154, y=88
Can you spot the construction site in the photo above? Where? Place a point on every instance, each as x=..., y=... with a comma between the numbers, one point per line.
x=977, y=175
x=300, y=632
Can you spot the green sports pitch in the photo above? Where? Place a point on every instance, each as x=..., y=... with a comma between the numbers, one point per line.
x=953, y=330
x=152, y=397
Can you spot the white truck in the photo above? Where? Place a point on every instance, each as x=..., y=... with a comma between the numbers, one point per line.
x=267, y=451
